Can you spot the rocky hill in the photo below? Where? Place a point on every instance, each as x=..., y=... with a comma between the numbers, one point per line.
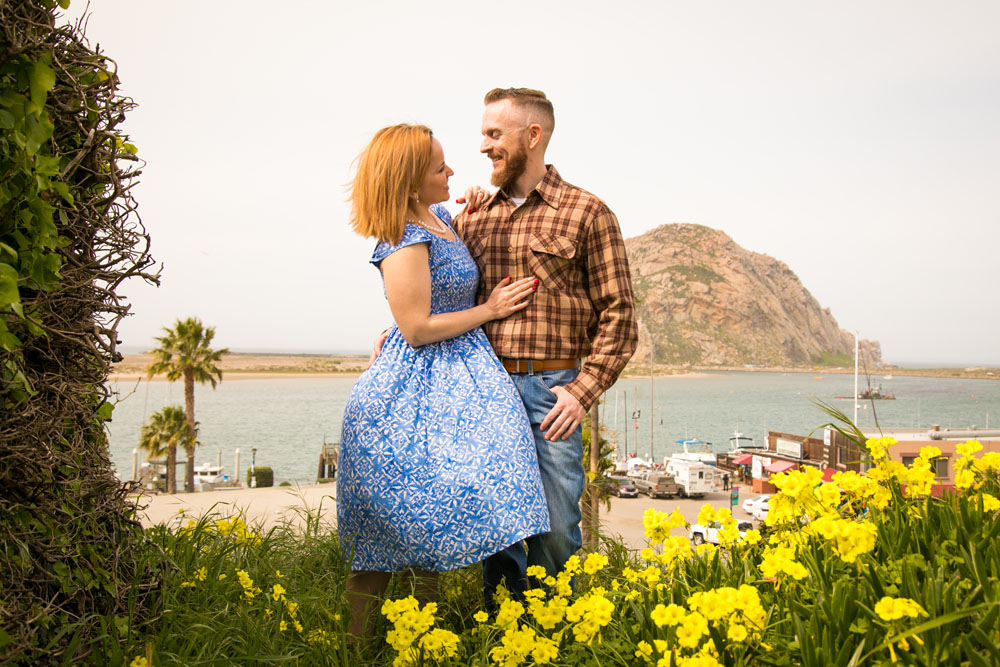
x=706, y=301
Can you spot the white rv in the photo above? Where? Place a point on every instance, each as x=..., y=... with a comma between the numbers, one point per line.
x=695, y=479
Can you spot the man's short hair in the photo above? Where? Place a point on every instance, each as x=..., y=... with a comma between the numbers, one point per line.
x=538, y=105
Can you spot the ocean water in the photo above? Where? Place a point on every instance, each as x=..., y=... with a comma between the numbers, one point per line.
x=287, y=419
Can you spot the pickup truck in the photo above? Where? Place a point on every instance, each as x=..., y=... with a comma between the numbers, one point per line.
x=710, y=533
x=657, y=485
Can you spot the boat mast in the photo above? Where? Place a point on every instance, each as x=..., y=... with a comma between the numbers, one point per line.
x=855, y=378
x=651, y=351
x=625, y=414
x=614, y=432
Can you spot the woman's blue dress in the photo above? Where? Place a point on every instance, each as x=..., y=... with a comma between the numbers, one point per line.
x=437, y=466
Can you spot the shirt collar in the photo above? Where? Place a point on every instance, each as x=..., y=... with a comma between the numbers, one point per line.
x=548, y=189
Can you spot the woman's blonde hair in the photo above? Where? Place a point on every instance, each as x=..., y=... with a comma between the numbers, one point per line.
x=390, y=169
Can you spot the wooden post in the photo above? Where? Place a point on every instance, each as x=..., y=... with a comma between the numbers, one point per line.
x=595, y=468
x=590, y=506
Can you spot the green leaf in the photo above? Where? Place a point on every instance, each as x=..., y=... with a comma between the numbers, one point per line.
x=42, y=80
x=46, y=165
x=4, y=638
x=104, y=412
x=8, y=286
x=64, y=4
x=37, y=132
x=64, y=192
x=6, y=120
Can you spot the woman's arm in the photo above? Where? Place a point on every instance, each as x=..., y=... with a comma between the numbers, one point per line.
x=408, y=290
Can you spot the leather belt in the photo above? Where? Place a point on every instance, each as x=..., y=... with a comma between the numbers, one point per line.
x=538, y=365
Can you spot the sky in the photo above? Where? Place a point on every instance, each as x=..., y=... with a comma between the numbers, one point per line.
x=856, y=141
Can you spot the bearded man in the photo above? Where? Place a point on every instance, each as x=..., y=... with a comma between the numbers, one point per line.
x=537, y=224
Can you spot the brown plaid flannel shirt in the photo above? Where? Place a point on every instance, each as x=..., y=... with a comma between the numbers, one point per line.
x=570, y=241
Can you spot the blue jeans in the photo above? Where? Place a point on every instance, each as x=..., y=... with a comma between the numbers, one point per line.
x=563, y=478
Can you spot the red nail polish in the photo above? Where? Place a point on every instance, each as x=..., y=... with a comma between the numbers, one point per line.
x=506, y=276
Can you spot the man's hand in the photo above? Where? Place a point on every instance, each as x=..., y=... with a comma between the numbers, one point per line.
x=377, y=347
x=564, y=416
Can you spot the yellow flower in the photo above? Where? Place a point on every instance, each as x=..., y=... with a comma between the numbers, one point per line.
x=282, y=626
x=706, y=514
x=509, y=612
x=930, y=452
x=481, y=617
x=691, y=629
x=222, y=576
x=737, y=633
x=667, y=615
x=536, y=571
x=968, y=448
x=990, y=503
x=892, y=609
x=140, y=661
x=440, y=643
x=545, y=650
x=595, y=563
x=278, y=574
x=964, y=479
x=643, y=650
x=278, y=592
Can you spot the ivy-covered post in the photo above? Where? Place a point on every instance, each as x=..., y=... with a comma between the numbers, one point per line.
x=69, y=236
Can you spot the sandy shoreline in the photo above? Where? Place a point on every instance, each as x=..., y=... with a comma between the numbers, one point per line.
x=281, y=366
x=267, y=507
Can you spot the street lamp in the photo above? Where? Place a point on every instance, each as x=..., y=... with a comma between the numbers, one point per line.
x=253, y=470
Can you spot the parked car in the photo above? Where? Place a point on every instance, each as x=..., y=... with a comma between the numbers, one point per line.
x=760, y=509
x=621, y=487
x=710, y=533
x=750, y=503
x=658, y=485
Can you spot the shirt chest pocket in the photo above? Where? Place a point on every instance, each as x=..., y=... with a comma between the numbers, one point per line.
x=553, y=260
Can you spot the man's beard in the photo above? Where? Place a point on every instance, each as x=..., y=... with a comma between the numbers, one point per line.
x=515, y=162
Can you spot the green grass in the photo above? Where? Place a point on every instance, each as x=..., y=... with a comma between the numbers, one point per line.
x=942, y=553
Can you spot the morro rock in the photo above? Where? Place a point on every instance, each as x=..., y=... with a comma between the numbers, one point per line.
x=706, y=301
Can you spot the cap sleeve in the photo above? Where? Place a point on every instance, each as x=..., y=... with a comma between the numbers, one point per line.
x=440, y=211
x=412, y=234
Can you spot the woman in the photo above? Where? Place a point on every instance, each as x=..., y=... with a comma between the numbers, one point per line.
x=437, y=466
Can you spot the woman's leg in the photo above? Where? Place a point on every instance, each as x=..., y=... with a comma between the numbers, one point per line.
x=422, y=583
x=364, y=589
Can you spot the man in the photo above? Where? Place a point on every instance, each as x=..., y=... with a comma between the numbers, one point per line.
x=538, y=225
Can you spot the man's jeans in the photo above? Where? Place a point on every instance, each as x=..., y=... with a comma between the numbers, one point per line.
x=563, y=478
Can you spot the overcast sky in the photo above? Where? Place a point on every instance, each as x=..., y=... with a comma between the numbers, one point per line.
x=858, y=142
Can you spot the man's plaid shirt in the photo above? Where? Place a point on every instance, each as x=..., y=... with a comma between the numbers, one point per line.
x=570, y=241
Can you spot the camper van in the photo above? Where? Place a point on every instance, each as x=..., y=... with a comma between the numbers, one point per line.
x=695, y=479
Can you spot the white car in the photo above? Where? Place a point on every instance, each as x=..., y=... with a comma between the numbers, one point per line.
x=750, y=503
x=710, y=533
x=760, y=509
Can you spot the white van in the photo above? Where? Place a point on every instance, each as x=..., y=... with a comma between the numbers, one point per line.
x=695, y=479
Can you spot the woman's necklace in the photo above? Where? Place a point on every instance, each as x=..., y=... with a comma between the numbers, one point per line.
x=441, y=228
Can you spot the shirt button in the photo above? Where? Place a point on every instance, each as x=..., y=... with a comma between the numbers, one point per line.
x=510, y=248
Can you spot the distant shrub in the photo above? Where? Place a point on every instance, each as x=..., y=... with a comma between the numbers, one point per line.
x=285, y=483
x=264, y=474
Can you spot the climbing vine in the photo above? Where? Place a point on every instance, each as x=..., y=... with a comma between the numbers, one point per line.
x=69, y=236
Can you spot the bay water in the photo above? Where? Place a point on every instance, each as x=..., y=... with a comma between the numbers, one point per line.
x=287, y=419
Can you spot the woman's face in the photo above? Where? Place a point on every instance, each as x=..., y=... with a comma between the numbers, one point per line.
x=434, y=188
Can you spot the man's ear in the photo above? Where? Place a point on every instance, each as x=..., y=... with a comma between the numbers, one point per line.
x=534, y=135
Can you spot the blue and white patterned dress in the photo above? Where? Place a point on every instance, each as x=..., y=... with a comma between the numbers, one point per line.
x=437, y=465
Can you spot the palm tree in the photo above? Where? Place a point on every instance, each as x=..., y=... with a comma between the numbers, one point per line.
x=166, y=430
x=185, y=352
